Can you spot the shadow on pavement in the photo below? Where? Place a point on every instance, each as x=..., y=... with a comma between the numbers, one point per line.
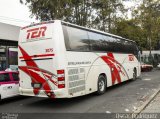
x=69, y=102
x=13, y=99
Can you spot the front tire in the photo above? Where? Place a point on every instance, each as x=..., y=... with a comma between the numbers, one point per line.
x=101, y=85
x=134, y=74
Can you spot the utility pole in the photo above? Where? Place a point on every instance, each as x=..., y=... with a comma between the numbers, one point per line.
x=150, y=29
x=150, y=22
x=150, y=46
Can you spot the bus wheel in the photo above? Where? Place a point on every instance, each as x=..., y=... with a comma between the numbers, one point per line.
x=134, y=74
x=101, y=84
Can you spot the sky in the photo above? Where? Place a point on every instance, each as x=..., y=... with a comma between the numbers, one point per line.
x=15, y=13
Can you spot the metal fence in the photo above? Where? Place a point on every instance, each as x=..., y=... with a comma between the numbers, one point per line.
x=153, y=59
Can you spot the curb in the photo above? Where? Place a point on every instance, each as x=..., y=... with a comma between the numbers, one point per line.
x=146, y=103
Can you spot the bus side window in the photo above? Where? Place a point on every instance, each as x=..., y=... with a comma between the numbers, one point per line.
x=66, y=38
x=96, y=41
x=78, y=39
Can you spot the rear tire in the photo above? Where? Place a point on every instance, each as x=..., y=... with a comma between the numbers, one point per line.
x=101, y=85
x=134, y=74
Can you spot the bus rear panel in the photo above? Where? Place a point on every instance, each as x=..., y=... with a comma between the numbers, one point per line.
x=39, y=49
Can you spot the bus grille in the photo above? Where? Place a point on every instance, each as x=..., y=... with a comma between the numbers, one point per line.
x=76, y=83
x=76, y=77
x=72, y=71
x=78, y=89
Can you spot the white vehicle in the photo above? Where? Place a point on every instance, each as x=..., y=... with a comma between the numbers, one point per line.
x=9, y=84
x=63, y=60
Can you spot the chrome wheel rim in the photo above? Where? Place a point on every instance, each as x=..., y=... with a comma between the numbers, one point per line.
x=101, y=85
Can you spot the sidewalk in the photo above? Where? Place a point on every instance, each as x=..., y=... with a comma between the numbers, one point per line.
x=154, y=106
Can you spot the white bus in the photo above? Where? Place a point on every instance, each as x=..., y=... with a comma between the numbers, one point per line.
x=62, y=60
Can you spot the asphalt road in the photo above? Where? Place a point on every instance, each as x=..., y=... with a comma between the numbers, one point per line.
x=125, y=97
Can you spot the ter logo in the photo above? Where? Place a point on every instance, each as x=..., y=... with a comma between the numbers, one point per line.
x=131, y=57
x=36, y=32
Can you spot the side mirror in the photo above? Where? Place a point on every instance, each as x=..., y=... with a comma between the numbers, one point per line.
x=140, y=50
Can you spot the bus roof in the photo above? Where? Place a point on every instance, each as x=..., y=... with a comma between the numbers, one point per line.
x=94, y=30
x=35, y=24
x=74, y=25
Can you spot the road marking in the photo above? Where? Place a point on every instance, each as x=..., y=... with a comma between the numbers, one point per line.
x=127, y=110
x=146, y=79
x=108, y=112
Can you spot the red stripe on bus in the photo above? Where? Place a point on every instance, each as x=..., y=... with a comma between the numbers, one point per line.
x=35, y=77
x=114, y=71
x=110, y=54
x=35, y=56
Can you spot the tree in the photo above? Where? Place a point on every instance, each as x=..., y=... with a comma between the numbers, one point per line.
x=100, y=14
x=106, y=13
x=148, y=15
x=131, y=30
x=49, y=9
x=81, y=12
x=74, y=11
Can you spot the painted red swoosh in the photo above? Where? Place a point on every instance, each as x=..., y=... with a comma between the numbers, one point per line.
x=113, y=70
x=41, y=55
x=35, y=77
x=119, y=66
x=115, y=67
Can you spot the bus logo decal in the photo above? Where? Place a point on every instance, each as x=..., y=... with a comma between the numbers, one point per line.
x=36, y=32
x=131, y=57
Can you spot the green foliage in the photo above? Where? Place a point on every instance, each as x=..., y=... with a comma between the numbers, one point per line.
x=45, y=10
x=74, y=11
x=105, y=15
x=148, y=15
x=99, y=14
x=144, y=27
x=129, y=29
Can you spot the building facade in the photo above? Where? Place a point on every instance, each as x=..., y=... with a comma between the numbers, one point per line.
x=153, y=58
x=8, y=46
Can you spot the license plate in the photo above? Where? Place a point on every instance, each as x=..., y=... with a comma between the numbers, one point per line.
x=36, y=85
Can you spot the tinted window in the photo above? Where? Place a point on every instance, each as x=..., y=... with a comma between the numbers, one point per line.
x=129, y=47
x=96, y=41
x=4, y=77
x=120, y=47
x=135, y=49
x=15, y=76
x=111, y=43
x=107, y=40
x=78, y=39
x=66, y=37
